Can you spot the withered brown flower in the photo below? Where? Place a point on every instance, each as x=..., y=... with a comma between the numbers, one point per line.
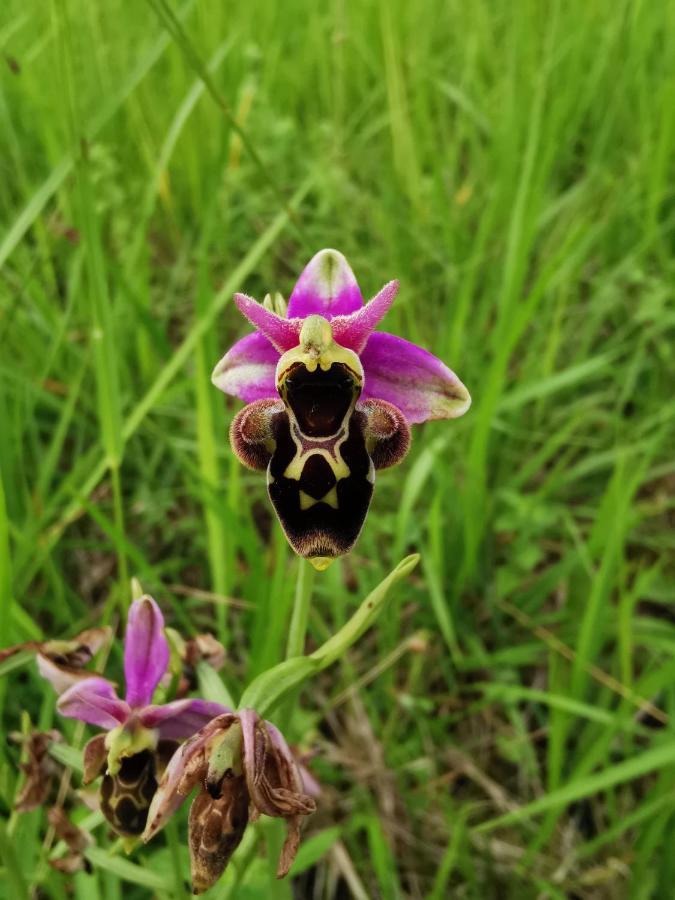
x=244, y=767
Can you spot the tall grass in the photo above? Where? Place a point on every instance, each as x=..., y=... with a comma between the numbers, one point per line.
x=512, y=164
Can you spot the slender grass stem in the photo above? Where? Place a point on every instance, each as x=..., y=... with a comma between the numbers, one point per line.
x=122, y=568
x=175, y=856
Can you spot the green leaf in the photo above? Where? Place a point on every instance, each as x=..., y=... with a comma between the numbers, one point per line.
x=15, y=662
x=211, y=685
x=13, y=872
x=313, y=849
x=273, y=685
x=67, y=756
x=265, y=691
x=364, y=616
x=635, y=767
x=128, y=871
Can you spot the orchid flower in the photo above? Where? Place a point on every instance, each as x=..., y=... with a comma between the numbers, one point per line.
x=244, y=767
x=329, y=401
x=140, y=737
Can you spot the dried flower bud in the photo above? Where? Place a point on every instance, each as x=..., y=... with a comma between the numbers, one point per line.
x=39, y=768
x=206, y=648
x=62, y=662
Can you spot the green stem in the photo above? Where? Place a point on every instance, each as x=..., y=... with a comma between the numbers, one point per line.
x=303, y=594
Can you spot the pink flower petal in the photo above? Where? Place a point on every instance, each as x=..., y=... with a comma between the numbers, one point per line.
x=146, y=651
x=181, y=718
x=94, y=701
x=282, y=333
x=411, y=378
x=248, y=370
x=354, y=330
x=327, y=287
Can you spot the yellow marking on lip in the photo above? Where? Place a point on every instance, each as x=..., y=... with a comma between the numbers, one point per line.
x=306, y=502
x=296, y=466
x=331, y=499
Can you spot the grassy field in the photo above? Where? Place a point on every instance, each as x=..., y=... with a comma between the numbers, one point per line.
x=505, y=730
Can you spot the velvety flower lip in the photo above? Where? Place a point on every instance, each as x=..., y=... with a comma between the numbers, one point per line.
x=410, y=378
x=146, y=657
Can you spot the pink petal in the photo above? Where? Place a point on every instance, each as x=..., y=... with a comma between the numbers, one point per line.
x=248, y=369
x=327, y=287
x=94, y=701
x=354, y=330
x=282, y=333
x=411, y=378
x=146, y=651
x=181, y=718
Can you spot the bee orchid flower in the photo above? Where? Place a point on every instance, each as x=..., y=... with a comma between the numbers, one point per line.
x=243, y=767
x=329, y=401
x=140, y=736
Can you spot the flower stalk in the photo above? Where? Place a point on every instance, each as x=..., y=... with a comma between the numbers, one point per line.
x=297, y=631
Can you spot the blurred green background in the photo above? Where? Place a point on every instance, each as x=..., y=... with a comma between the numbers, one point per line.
x=506, y=729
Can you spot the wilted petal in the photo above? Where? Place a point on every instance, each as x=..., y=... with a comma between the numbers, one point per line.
x=275, y=785
x=59, y=676
x=290, y=849
x=94, y=701
x=272, y=776
x=354, y=330
x=78, y=651
x=187, y=767
x=75, y=839
x=39, y=768
x=181, y=718
x=146, y=651
x=61, y=662
x=94, y=758
x=247, y=369
x=412, y=379
x=205, y=648
x=326, y=287
x=282, y=333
